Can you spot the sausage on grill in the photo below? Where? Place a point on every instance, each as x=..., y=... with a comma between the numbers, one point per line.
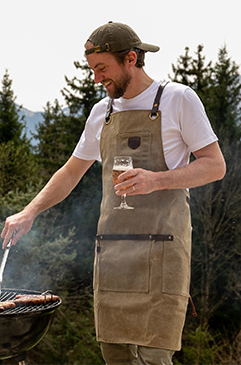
x=25, y=299
x=7, y=305
x=22, y=299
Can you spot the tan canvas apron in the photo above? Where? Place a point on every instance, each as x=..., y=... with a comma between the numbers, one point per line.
x=142, y=261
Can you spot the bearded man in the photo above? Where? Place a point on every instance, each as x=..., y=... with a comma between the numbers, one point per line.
x=142, y=257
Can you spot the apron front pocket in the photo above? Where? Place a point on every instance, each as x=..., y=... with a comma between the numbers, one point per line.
x=124, y=266
x=176, y=269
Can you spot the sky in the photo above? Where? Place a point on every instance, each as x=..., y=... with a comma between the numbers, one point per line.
x=40, y=40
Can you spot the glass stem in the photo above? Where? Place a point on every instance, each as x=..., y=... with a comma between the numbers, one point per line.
x=123, y=201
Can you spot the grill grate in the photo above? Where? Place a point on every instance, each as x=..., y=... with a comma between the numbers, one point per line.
x=10, y=295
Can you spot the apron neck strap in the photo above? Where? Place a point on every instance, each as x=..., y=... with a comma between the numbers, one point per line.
x=109, y=111
x=154, y=108
x=157, y=99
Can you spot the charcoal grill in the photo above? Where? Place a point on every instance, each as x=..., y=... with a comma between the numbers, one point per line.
x=21, y=328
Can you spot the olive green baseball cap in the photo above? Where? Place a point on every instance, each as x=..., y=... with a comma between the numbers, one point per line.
x=116, y=37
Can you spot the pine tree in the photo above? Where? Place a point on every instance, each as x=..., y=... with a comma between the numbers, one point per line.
x=215, y=208
x=224, y=99
x=17, y=163
x=57, y=137
x=11, y=126
x=192, y=71
x=60, y=129
x=218, y=86
x=81, y=94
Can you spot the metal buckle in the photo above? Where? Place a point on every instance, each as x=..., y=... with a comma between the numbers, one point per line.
x=97, y=49
x=153, y=117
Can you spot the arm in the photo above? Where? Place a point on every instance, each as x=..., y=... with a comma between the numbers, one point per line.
x=208, y=166
x=57, y=189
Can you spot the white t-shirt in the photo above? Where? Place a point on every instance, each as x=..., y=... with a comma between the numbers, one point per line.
x=185, y=126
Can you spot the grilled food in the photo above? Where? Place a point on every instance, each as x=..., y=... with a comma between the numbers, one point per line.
x=7, y=305
x=22, y=299
x=25, y=299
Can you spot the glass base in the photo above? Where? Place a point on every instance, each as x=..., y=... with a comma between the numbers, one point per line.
x=123, y=206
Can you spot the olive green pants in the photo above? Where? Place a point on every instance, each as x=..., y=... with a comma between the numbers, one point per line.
x=117, y=354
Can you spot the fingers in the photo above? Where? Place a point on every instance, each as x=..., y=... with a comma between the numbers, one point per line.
x=12, y=238
x=11, y=233
x=15, y=227
x=127, y=185
x=125, y=181
x=136, y=181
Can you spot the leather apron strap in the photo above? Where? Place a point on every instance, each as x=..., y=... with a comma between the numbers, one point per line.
x=138, y=237
x=155, y=106
x=108, y=111
x=156, y=103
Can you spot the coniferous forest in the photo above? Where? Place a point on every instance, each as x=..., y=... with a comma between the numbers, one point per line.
x=58, y=252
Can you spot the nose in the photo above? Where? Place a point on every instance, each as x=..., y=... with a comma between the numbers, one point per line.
x=97, y=77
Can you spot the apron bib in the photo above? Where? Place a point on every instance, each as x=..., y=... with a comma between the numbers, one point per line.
x=142, y=257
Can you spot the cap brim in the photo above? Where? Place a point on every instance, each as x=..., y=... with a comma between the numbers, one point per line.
x=149, y=47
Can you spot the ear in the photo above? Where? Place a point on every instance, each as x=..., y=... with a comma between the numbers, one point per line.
x=131, y=59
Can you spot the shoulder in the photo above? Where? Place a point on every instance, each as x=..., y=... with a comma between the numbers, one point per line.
x=97, y=114
x=180, y=95
x=100, y=107
x=179, y=90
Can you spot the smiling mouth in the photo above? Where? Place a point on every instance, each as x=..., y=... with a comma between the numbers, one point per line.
x=106, y=83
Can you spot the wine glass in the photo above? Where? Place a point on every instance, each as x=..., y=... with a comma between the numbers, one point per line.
x=121, y=164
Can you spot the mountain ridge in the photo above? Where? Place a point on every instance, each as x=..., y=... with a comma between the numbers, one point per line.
x=32, y=119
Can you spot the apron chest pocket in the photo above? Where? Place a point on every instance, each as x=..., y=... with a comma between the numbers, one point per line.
x=124, y=266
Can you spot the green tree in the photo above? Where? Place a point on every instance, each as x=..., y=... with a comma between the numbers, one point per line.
x=224, y=99
x=216, y=209
x=81, y=94
x=17, y=167
x=17, y=163
x=11, y=126
x=201, y=348
x=60, y=129
x=216, y=212
x=193, y=71
x=57, y=137
x=218, y=87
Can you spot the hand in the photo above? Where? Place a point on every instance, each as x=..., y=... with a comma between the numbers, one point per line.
x=138, y=181
x=19, y=223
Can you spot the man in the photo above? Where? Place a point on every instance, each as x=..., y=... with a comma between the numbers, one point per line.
x=142, y=261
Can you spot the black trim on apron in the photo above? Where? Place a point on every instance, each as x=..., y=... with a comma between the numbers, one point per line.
x=139, y=237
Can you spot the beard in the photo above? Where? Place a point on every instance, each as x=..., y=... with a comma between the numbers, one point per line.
x=120, y=85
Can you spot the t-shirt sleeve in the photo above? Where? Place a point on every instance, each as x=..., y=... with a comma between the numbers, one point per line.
x=88, y=147
x=195, y=126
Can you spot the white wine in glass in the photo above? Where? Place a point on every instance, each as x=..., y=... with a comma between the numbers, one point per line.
x=121, y=164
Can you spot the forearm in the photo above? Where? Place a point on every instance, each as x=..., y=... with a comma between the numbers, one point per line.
x=209, y=166
x=56, y=190
x=199, y=172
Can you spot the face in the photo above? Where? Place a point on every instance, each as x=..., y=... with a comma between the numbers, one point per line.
x=114, y=76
